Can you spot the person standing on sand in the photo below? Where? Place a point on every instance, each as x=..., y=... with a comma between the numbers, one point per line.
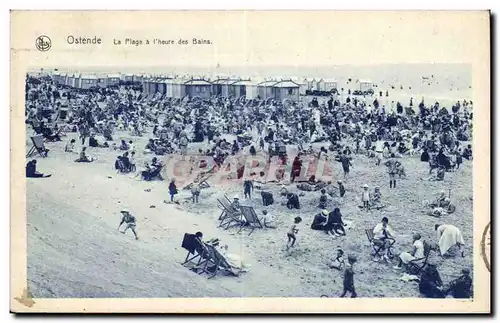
x=172, y=189
x=392, y=168
x=247, y=188
x=130, y=221
x=292, y=232
x=349, y=277
x=346, y=162
x=195, y=190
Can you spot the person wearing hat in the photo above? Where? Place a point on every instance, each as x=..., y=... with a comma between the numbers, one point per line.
x=462, y=286
x=130, y=221
x=320, y=221
x=431, y=285
x=236, y=202
x=349, y=277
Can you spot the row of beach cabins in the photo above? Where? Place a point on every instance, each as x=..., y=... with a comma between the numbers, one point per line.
x=204, y=87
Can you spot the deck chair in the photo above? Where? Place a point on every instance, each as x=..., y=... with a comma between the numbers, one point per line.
x=217, y=261
x=251, y=219
x=376, y=249
x=38, y=147
x=229, y=215
x=416, y=266
x=196, y=251
x=202, y=180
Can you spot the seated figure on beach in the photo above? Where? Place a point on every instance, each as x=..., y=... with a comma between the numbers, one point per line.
x=445, y=208
x=150, y=147
x=338, y=261
x=83, y=157
x=439, y=175
x=152, y=171
x=293, y=201
x=32, y=172
x=383, y=236
x=376, y=199
x=70, y=146
x=417, y=252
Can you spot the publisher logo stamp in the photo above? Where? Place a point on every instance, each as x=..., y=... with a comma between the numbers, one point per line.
x=43, y=43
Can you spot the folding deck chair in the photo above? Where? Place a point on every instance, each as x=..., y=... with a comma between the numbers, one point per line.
x=38, y=147
x=202, y=180
x=416, y=266
x=251, y=219
x=375, y=247
x=217, y=261
x=229, y=215
x=197, y=252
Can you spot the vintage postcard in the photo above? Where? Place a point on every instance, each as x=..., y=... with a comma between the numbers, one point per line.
x=250, y=161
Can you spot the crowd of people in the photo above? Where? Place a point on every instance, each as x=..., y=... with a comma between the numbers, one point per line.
x=334, y=131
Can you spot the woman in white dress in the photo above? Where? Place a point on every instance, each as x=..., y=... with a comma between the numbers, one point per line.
x=448, y=236
x=416, y=253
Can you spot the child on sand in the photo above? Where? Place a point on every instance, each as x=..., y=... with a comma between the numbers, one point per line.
x=365, y=197
x=349, y=277
x=130, y=221
x=392, y=168
x=292, y=232
x=338, y=262
x=70, y=146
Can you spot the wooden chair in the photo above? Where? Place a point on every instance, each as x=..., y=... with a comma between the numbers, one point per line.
x=216, y=260
x=38, y=147
x=416, y=266
x=378, y=248
x=251, y=219
x=229, y=215
x=193, y=245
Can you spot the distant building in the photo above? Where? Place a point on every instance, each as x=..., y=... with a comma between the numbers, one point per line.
x=113, y=79
x=87, y=81
x=265, y=90
x=198, y=88
x=286, y=89
x=102, y=80
x=314, y=85
x=223, y=87
x=73, y=80
x=365, y=85
x=239, y=88
x=329, y=85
